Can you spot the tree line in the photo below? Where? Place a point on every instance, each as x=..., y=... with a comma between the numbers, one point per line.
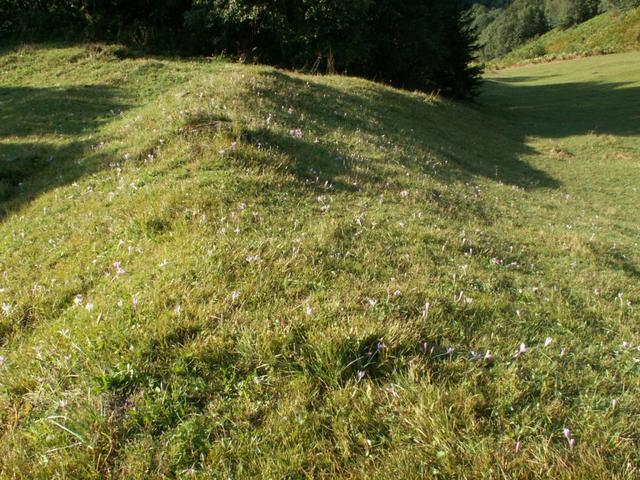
x=416, y=44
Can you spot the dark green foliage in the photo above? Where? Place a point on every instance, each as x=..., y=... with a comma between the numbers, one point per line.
x=412, y=44
x=417, y=44
x=326, y=33
x=620, y=5
x=566, y=13
x=143, y=22
x=523, y=19
x=480, y=16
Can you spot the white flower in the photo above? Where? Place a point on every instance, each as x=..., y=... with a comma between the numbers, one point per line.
x=177, y=310
x=6, y=309
x=372, y=301
x=391, y=390
x=296, y=133
x=548, y=341
x=119, y=269
x=235, y=295
x=78, y=300
x=523, y=349
x=309, y=310
x=89, y=306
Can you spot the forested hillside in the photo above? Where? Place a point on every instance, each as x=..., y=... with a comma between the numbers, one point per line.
x=610, y=32
x=504, y=25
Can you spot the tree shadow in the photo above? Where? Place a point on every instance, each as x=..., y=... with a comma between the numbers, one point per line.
x=564, y=109
x=46, y=133
x=489, y=138
x=448, y=140
x=46, y=137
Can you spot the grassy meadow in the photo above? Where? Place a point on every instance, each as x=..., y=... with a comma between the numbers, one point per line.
x=213, y=270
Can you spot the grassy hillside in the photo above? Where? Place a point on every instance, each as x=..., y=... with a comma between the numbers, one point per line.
x=610, y=32
x=210, y=270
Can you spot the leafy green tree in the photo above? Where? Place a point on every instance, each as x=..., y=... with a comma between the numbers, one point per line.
x=620, y=5
x=520, y=21
x=566, y=13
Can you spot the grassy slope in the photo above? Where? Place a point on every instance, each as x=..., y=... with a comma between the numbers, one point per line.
x=516, y=219
x=607, y=33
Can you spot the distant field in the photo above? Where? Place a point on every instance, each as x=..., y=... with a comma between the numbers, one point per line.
x=607, y=33
x=210, y=270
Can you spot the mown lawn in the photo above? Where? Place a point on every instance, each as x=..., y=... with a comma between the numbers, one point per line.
x=212, y=270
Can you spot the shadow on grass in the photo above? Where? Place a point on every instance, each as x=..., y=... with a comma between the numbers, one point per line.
x=45, y=137
x=564, y=109
x=404, y=129
x=486, y=139
x=45, y=133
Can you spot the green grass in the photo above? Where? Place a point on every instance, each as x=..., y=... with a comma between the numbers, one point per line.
x=270, y=321
x=610, y=32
